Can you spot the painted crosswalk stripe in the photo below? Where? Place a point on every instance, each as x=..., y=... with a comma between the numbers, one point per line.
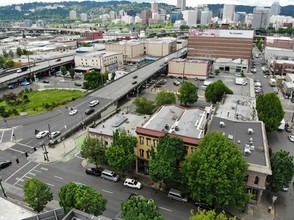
x=33, y=174
x=165, y=209
x=107, y=191
x=58, y=177
x=43, y=168
x=49, y=184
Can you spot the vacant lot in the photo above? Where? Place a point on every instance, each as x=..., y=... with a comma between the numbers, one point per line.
x=39, y=101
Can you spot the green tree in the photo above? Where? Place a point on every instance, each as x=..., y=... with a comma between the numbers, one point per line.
x=215, y=173
x=10, y=54
x=120, y=155
x=138, y=208
x=93, y=149
x=144, y=105
x=215, y=91
x=270, y=111
x=184, y=27
x=37, y=194
x=282, y=171
x=217, y=71
x=19, y=51
x=164, y=98
x=9, y=63
x=63, y=70
x=5, y=54
x=93, y=80
x=210, y=215
x=81, y=197
x=72, y=73
x=164, y=165
x=187, y=93
x=2, y=61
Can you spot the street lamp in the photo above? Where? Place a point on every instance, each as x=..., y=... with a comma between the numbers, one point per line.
x=2, y=187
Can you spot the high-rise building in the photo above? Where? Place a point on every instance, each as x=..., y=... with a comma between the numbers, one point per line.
x=206, y=17
x=112, y=15
x=190, y=16
x=121, y=13
x=181, y=4
x=146, y=14
x=228, y=13
x=175, y=15
x=73, y=14
x=275, y=8
x=154, y=7
x=261, y=17
x=239, y=17
x=84, y=17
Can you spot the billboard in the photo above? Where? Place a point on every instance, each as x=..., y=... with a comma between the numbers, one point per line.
x=222, y=33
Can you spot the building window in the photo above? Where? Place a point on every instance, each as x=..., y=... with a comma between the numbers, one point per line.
x=246, y=178
x=148, y=141
x=141, y=140
x=148, y=154
x=256, y=180
x=155, y=142
x=141, y=152
x=186, y=149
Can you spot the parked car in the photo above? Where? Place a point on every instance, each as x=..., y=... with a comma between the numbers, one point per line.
x=203, y=206
x=291, y=137
x=288, y=128
x=12, y=86
x=4, y=164
x=132, y=183
x=177, y=195
x=45, y=81
x=177, y=83
x=18, y=71
x=134, y=82
x=58, y=60
x=89, y=111
x=78, y=84
x=94, y=103
x=253, y=70
x=42, y=134
x=109, y=175
x=73, y=112
x=54, y=134
x=135, y=77
x=93, y=171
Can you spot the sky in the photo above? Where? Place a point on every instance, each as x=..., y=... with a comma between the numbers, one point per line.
x=190, y=3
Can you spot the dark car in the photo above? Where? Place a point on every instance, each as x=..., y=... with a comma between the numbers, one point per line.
x=4, y=164
x=58, y=60
x=135, y=77
x=89, y=111
x=134, y=82
x=93, y=171
x=78, y=84
x=12, y=86
x=45, y=81
x=288, y=128
x=203, y=206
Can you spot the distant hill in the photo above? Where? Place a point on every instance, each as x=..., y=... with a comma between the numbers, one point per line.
x=35, y=11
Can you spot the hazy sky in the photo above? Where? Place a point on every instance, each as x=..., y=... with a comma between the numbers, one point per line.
x=191, y=3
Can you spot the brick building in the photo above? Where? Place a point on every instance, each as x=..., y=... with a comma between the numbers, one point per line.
x=89, y=35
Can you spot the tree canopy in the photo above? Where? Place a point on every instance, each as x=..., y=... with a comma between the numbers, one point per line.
x=165, y=98
x=215, y=91
x=138, y=208
x=94, y=79
x=187, y=93
x=215, y=173
x=270, y=111
x=94, y=149
x=282, y=171
x=120, y=155
x=37, y=194
x=81, y=197
x=144, y=105
x=164, y=165
x=210, y=215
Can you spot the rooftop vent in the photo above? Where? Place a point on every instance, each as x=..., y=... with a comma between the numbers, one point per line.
x=238, y=141
x=166, y=126
x=177, y=128
x=231, y=137
x=250, y=131
x=247, y=151
x=222, y=124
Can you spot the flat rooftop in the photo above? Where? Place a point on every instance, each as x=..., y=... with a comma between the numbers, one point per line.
x=237, y=131
x=98, y=54
x=227, y=60
x=179, y=121
x=11, y=211
x=189, y=60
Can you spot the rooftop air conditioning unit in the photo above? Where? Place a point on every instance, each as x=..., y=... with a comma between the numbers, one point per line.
x=166, y=126
x=247, y=151
x=222, y=124
x=250, y=131
x=177, y=128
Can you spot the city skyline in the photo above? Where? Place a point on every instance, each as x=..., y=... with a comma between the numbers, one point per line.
x=190, y=3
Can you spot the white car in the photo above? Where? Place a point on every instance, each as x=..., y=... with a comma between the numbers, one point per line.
x=42, y=134
x=54, y=134
x=18, y=71
x=94, y=103
x=132, y=183
x=73, y=112
x=291, y=137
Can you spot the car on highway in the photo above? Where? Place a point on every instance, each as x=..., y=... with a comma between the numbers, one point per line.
x=291, y=137
x=135, y=77
x=45, y=81
x=253, y=70
x=12, y=86
x=73, y=112
x=54, y=134
x=42, y=134
x=58, y=60
x=94, y=103
x=89, y=111
x=93, y=171
x=18, y=71
x=132, y=183
x=4, y=164
x=134, y=82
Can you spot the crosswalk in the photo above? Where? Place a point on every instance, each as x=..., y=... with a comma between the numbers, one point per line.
x=7, y=135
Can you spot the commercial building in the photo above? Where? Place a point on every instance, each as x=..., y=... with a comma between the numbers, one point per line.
x=231, y=65
x=172, y=120
x=212, y=43
x=190, y=68
x=181, y=4
x=131, y=50
x=146, y=15
x=228, y=13
x=206, y=17
x=159, y=47
x=282, y=67
x=100, y=60
x=154, y=7
x=190, y=16
x=175, y=15
x=288, y=85
x=84, y=17
x=275, y=8
x=261, y=17
x=236, y=118
x=91, y=35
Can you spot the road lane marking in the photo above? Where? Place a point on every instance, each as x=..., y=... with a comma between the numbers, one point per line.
x=165, y=209
x=17, y=171
x=25, y=145
x=107, y=191
x=12, y=132
x=49, y=184
x=27, y=173
x=38, y=171
x=58, y=177
x=43, y=168
x=29, y=142
x=16, y=150
x=33, y=174
x=2, y=136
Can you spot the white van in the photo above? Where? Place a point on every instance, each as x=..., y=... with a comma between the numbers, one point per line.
x=109, y=175
x=177, y=195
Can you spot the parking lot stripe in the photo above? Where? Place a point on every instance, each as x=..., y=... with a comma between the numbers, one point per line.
x=165, y=209
x=11, y=137
x=107, y=191
x=43, y=168
x=58, y=177
x=2, y=136
x=27, y=173
x=25, y=145
x=16, y=150
x=49, y=184
x=17, y=171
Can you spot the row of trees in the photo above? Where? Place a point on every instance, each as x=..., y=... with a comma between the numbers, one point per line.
x=94, y=79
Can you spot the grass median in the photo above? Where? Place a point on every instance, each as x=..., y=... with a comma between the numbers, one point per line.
x=34, y=102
